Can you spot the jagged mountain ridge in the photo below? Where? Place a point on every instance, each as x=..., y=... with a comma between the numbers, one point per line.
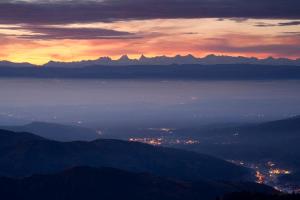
x=163, y=60
x=188, y=59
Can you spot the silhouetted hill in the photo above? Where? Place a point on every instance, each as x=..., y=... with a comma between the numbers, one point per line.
x=194, y=72
x=265, y=133
x=259, y=196
x=276, y=140
x=58, y=132
x=82, y=183
x=274, y=132
x=26, y=154
x=287, y=125
x=9, y=138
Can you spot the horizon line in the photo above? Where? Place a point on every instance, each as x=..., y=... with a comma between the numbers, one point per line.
x=138, y=58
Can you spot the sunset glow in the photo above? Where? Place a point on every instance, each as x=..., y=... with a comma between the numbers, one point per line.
x=40, y=42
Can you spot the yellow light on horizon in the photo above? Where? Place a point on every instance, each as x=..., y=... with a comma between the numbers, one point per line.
x=169, y=37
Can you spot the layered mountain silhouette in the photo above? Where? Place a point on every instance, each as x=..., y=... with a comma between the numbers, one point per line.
x=179, y=60
x=277, y=141
x=82, y=183
x=271, y=131
x=23, y=154
x=164, y=60
x=279, y=131
x=58, y=132
x=289, y=126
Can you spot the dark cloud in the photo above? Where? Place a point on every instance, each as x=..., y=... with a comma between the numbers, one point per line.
x=291, y=23
x=62, y=12
x=50, y=33
x=272, y=49
x=285, y=45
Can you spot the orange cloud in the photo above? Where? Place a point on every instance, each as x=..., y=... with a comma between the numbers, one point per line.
x=155, y=37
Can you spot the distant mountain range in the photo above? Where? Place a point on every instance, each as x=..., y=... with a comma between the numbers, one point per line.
x=163, y=60
x=23, y=154
x=82, y=183
x=15, y=65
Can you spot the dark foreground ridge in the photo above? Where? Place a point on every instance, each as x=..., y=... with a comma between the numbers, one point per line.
x=260, y=196
x=24, y=154
x=82, y=183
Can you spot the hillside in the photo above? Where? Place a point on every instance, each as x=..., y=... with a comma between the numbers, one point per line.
x=82, y=183
x=290, y=125
x=276, y=140
x=25, y=154
x=58, y=132
x=259, y=196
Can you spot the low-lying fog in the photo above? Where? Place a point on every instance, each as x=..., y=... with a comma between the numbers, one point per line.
x=144, y=102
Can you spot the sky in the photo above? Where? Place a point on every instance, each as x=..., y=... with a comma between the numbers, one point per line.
x=38, y=31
